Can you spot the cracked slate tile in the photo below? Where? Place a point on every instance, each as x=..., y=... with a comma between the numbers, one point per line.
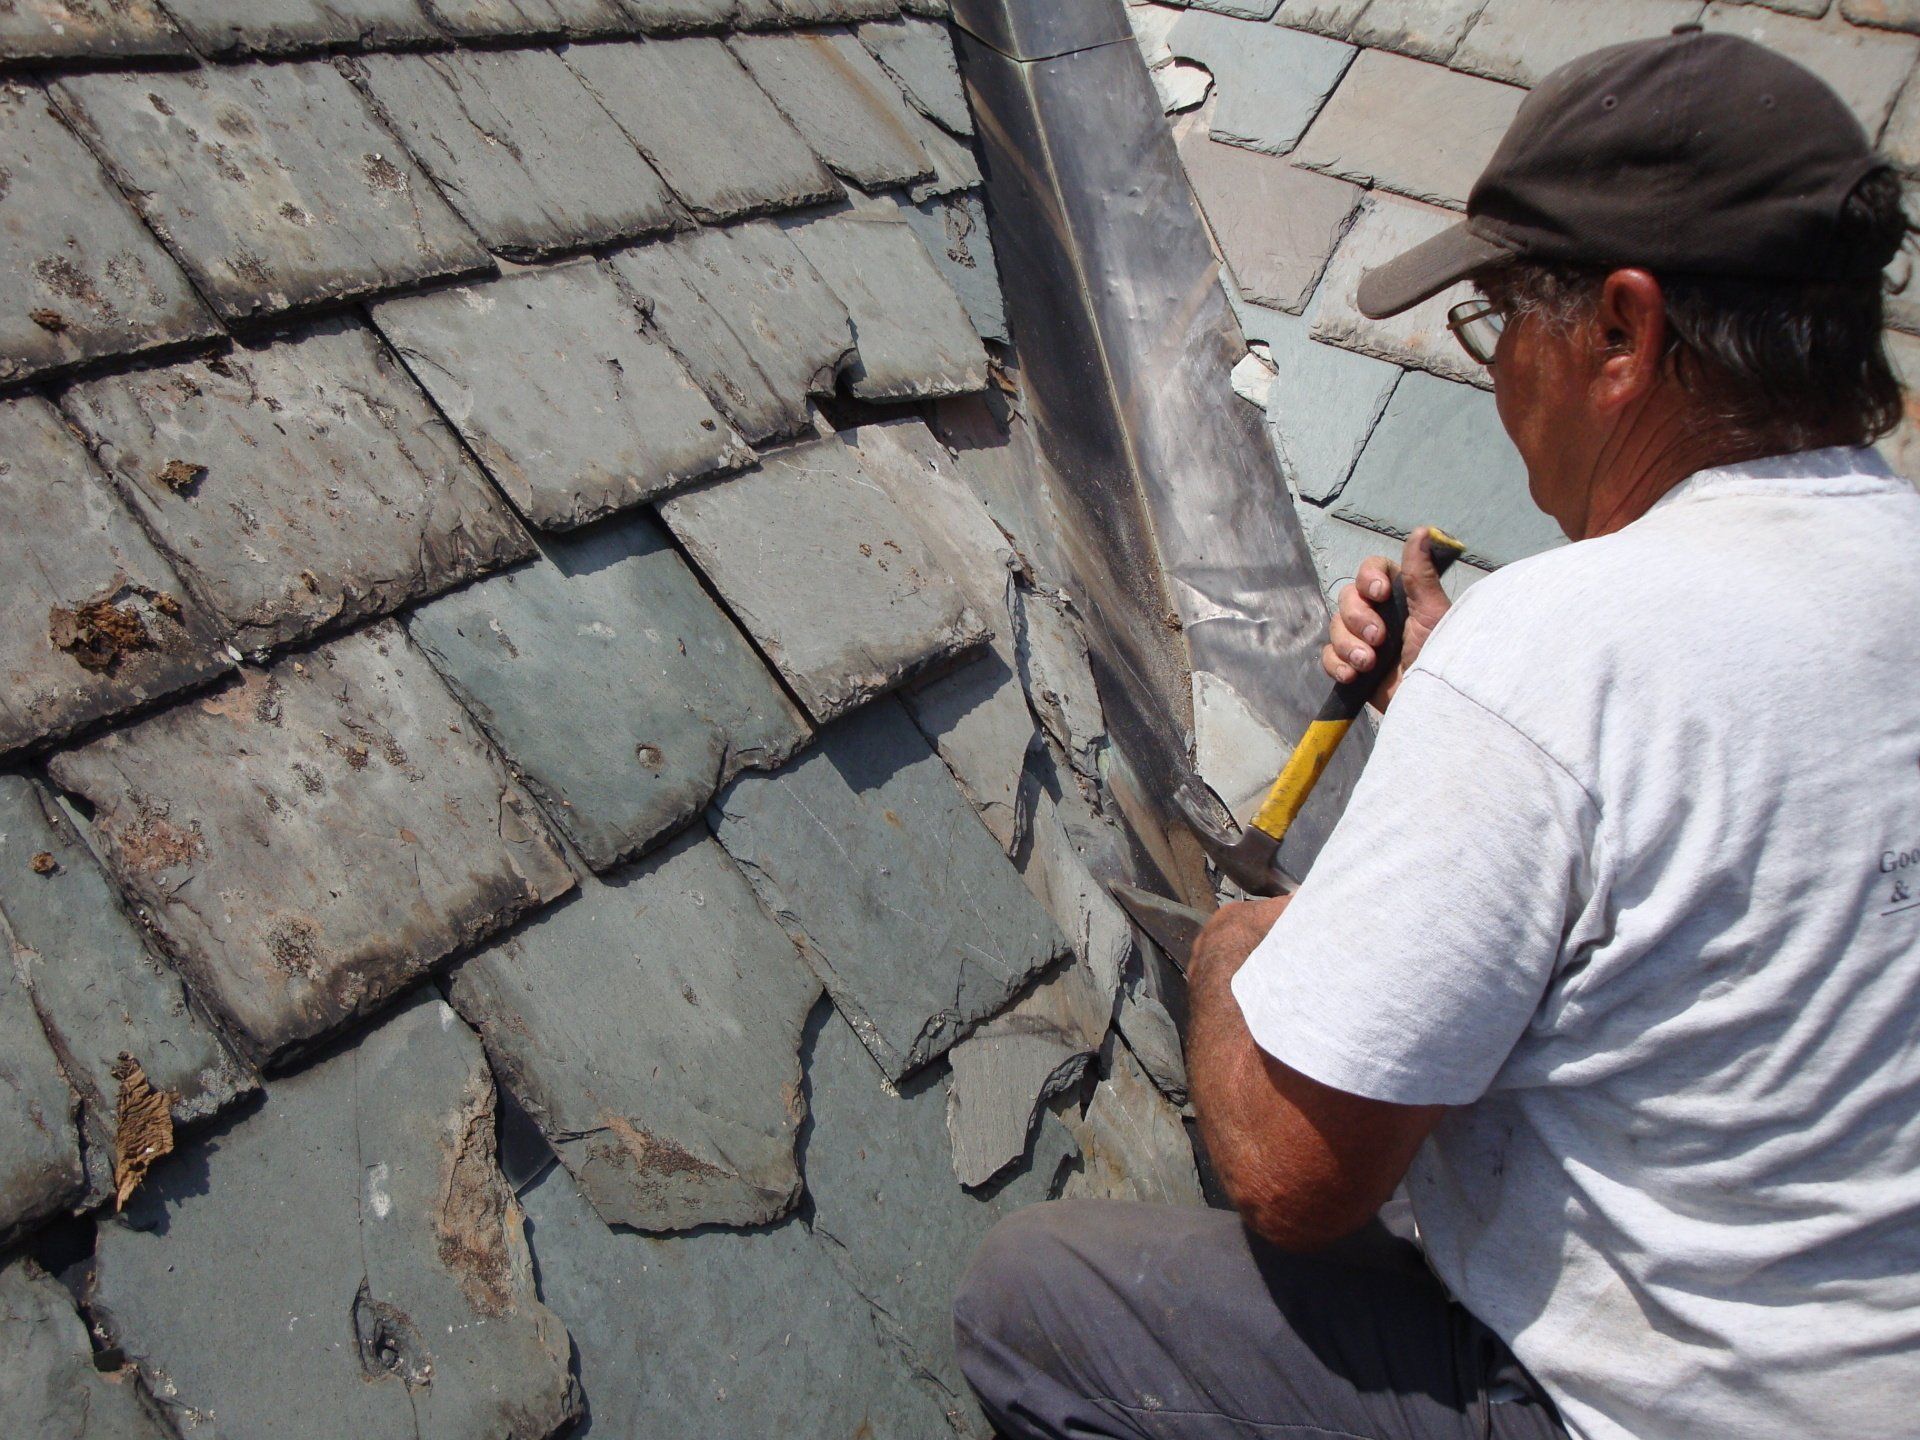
x=837, y=96
x=286, y=27
x=100, y=991
x=919, y=55
x=651, y=1027
x=345, y=1259
x=41, y=1172
x=953, y=230
x=1133, y=1142
x=520, y=147
x=722, y=1333
x=486, y=19
x=1057, y=671
x=300, y=484
x=1323, y=404
x=274, y=185
x=912, y=338
x=49, y=1385
x=86, y=279
x=664, y=699
x=665, y=94
x=827, y=572
x=896, y=893
x=276, y=923
x=955, y=167
x=1271, y=81
x=749, y=317
x=87, y=29
x=1146, y=1022
x=574, y=407
x=97, y=621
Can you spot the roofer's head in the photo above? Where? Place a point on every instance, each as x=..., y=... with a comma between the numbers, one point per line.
x=1681, y=244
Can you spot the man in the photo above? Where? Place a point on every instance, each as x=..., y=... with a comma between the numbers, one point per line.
x=1614, y=959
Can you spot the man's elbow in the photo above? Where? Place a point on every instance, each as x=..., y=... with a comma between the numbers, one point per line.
x=1301, y=1217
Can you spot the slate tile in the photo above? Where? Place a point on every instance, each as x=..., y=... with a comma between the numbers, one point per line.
x=346, y=1259
x=931, y=9
x=520, y=147
x=1902, y=447
x=1440, y=457
x=299, y=484
x=918, y=54
x=1338, y=546
x=1865, y=67
x=750, y=318
x=839, y=98
x=48, y=1383
x=722, y=1333
x=274, y=185
x=1388, y=226
x=40, y=1166
x=573, y=406
x=1323, y=404
x=96, y=620
x=1332, y=18
x=1276, y=225
x=1524, y=41
x=578, y=19
x=953, y=230
x=912, y=337
x=274, y=921
x=1900, y=142
x=1407, y=126
x=1058, y=675
x=1244, y=9
x=1151, y=24
x=1271, y=80
x=664, y=700
x=286, y=27
x=1812, y=8
x=1886, y=14
x=955, y=166
x=87, y=29
x=827, y=573
x=897, y=895
x=829, y=12
x=85, y=278
x=1426, y=29
x=881, y=1179
x=1133, y=1143
x=673, y=17
x=651, y=1027
x=665, y=95
x=1147, y=1025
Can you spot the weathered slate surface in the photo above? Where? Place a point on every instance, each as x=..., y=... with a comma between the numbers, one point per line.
x=1332, y=18
x=918, y=54
x=827, y=573
x=520, y=148
x=724, y=1333
x=286, y=929
x=1133, y=1143
x=1524, y=41
x=40, y=1169
x=282, y=27
x=1425, y=29
x=273, y=184
x=301, y=484
x=574, y=407
x=651, y=1027
x=751, y=318
x=665, y=701
x=48, y=1384
x=1867, y=68
x=84, y=278
x=953, y=229
x=1892, y=14
x=912, y=337
x=839, y=98
x=1270, y=81
x=827, y=12
x=897, y=895
x=666, y=94
x=65, y=29
x=672, y=17
x=1324, y=404
x=485, y=19
x=96, y=620
x=345, y=1260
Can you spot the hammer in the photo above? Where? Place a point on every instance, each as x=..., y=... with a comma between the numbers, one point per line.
x=1248, y=858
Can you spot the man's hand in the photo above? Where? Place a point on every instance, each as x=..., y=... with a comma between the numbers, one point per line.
x=1357, y=629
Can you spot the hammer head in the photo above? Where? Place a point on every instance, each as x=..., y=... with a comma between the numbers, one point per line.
x=1246, y=857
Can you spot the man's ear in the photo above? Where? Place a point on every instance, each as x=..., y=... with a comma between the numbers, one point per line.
x=1629, y=337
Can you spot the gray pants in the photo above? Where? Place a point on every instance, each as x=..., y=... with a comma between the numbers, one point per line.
x=1100, y=1318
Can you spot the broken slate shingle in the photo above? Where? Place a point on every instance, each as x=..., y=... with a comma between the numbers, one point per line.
x=300, y=484
x=40, y=1169
x=574, y=407
x=664, y=700
x=1133, y=1143
x=76, y=29
x=651, y=1027
x=891, y=886
x=284, y=27
x=344, y=1260
x=919, y=55
x=526, y=155
x=912, y=337
x=1271, y=81
x=827, y=572
x=85, y=278
x=49, y=1384
x=665, y=94
x=273, y=184
x=97, y=622
x=839, y=98
x=953, y=228
x=309, y=839
x=749, y=316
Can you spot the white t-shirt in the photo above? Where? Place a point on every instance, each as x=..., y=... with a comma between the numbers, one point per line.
x=1633, y=879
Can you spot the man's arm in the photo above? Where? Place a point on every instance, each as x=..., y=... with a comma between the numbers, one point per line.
x=1304, y=1164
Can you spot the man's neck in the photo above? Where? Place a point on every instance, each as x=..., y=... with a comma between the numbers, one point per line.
x=1646, y=455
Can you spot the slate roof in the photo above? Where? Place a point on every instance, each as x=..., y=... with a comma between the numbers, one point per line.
x=535, y=754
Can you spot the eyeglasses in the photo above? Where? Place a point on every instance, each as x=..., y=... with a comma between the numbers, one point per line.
x=1477, y=324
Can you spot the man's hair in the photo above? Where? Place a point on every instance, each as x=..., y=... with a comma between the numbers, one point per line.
x=1779, y=366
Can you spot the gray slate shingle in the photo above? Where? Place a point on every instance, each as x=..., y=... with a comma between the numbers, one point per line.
x=485, y=19
x=827, y=12
x=314, y=485
x=651, y=1027
x=224, y=820
x=70, y=29
x=48, y=1384
x=285, y=27
x=664, y=699
x=1320, y=415
x=573, y=406
x=1866, y=67
x=953, y=230
x=84, y=278
x=273, y=184
x=1524, y=41
x=839, y=98
x=40, y=1169
x=1271, y=81
x=96, y=620
x=1427, y=29
x=919, y=55
x=666, y=95
x=1133, y=1143
x=670, y=17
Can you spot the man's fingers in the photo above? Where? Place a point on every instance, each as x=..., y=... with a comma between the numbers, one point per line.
x=1336, y=667
x=1416, y=565
x=1361, y=619
x=1375, y=578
